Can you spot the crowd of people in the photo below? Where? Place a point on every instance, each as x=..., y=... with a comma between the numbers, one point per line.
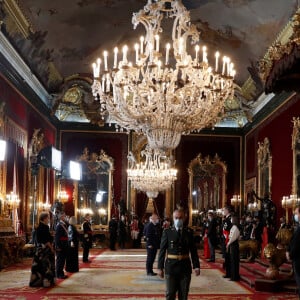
x=171, y=238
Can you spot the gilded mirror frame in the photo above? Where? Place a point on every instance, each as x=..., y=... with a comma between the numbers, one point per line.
x=264, y=164
x=94, y=162
x=296, y=156
x=207, y=167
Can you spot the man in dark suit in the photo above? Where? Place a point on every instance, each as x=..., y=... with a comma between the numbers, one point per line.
x=212, y=235
x=294, y=248
x=177, y=251
x=87, y=240
x=152, y=235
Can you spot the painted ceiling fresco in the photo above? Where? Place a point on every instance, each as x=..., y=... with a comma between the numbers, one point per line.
x=73, y=33
x=77, y=32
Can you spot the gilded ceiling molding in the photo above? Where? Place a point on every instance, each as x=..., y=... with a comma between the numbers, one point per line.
x=28, y=42
x=74, y=101
x=15, y=20
x=283, y=45
x=20, y=66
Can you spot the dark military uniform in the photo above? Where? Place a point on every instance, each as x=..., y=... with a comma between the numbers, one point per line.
x=177, y=250
x=61, y=247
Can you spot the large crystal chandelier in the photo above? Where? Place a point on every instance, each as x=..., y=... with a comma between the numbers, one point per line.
x=165, y=91
x=154, y=174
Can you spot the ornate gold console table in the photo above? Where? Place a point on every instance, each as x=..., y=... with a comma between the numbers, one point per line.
x=11, y=246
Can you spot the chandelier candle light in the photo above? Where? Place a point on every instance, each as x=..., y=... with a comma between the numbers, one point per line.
x=154, y=175
x=165, y=92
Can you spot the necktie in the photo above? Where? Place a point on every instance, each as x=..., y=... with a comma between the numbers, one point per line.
x=179, y=232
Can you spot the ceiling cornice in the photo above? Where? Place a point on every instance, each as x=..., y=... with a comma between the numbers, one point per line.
x=11, y=55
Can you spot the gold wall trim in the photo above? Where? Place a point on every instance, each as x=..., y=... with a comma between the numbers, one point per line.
x=18, y=17
x=264, y=164
x=296, y=153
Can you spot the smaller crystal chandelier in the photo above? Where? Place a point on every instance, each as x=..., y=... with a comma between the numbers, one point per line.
x=154, y=175
x=163, y=91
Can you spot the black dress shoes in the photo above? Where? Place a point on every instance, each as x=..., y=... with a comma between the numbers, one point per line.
x=62, y=276
x=87, y=261
x=152, y=274
x=224, y=276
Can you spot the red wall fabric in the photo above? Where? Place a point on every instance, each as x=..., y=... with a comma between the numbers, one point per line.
x=21, y=111
x=278, y=129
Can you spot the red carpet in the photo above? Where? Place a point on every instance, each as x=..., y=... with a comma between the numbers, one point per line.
x=106, y=272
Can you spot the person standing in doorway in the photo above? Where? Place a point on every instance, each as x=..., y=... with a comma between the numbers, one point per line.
x=152, y=235
x=178, y=252
x=87, y=240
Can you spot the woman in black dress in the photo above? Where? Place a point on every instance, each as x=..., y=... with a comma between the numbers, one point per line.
x=72, y=264
x=43, y=264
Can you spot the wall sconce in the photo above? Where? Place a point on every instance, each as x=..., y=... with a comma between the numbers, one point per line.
x=84, y=211
x=44, y=206
x=236, y=202
x=289, y=203
x=13, y=200
x=2, y=149
x=195, y=212
x=63, y=196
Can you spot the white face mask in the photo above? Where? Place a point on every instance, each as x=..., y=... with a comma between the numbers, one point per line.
x=178, y=223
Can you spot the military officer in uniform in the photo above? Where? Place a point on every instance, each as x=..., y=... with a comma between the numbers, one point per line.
x=178, y=252
x=226, y=226
x=61, y=245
